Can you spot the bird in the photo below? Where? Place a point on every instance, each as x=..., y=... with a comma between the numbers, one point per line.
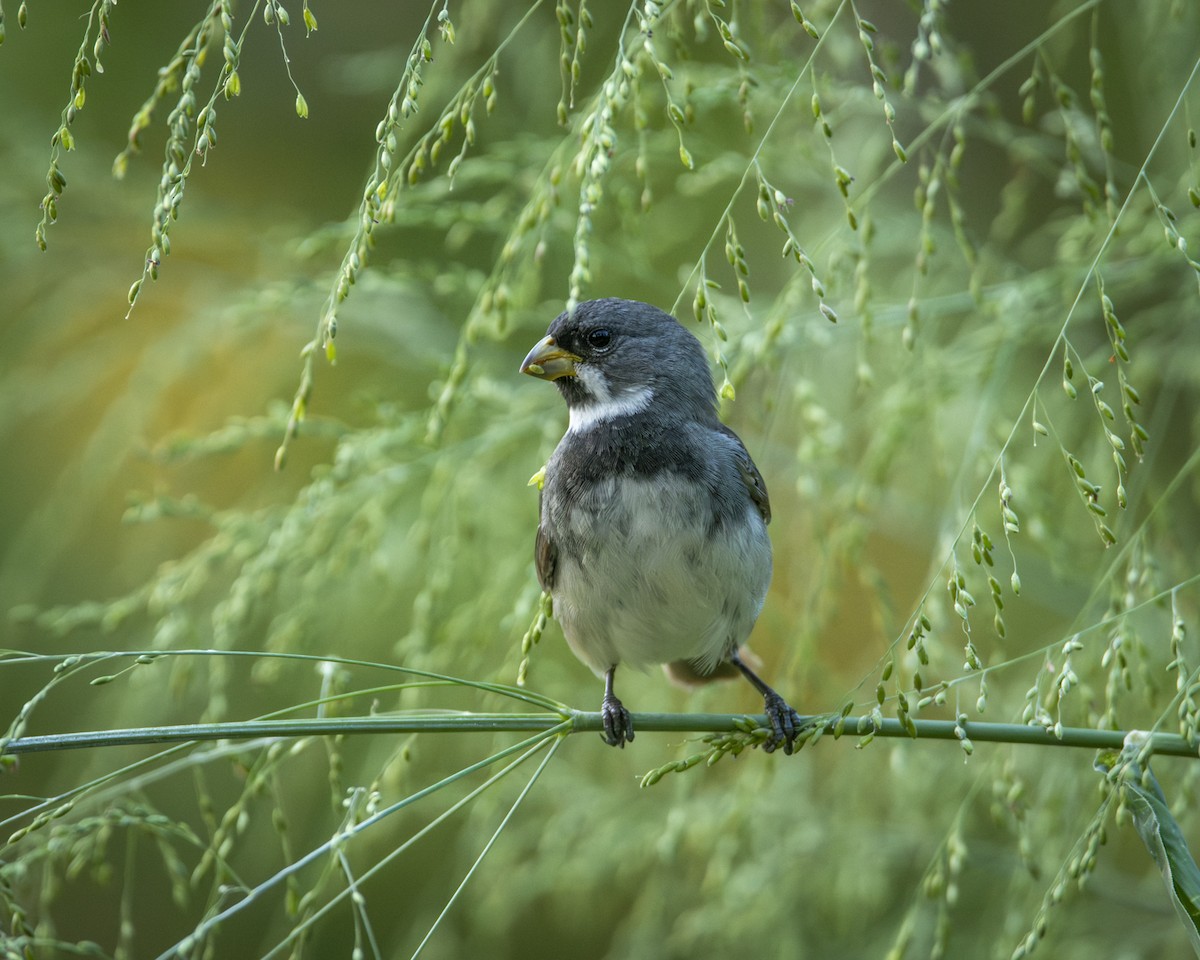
x=652, y=536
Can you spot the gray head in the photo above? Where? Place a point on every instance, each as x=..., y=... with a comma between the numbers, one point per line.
x=609, y=357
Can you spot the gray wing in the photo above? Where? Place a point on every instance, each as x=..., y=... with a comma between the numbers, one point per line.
x=755, y=485
x=545, y=556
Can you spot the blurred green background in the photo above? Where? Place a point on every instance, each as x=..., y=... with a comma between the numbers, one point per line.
x=1047, y=144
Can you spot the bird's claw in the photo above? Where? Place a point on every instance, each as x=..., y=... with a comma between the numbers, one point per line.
x=785, y=724
x=618, y=724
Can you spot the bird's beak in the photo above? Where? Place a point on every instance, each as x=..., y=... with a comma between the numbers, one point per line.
x=548, y=361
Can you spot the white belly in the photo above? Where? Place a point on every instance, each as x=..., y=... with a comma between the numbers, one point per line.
x=651, y=587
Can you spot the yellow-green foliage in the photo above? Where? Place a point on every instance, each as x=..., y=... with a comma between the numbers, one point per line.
x=942, y=257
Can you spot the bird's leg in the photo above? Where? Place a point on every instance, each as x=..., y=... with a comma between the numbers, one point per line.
x=618, y=725
x=785, y=722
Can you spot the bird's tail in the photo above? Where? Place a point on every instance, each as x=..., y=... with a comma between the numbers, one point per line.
x=689, y=675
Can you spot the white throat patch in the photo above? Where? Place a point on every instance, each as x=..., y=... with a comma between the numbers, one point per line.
x=607, y=407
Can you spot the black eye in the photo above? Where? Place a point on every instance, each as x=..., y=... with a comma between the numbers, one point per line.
x=599, y=338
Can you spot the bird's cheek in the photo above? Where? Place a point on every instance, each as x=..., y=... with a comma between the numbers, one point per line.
x=593, y=381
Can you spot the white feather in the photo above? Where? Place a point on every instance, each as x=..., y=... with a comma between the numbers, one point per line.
x=604, y=405
x=654, y=586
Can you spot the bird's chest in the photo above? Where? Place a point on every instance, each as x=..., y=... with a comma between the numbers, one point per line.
x=654, y=568
x=613, y=518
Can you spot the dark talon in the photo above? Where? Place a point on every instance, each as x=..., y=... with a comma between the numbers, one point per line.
x=618, y=724
x=785, y=722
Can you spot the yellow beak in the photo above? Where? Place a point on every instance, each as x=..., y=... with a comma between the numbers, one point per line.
x=548, y=361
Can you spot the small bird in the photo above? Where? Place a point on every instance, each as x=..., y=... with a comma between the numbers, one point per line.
x=653, y=533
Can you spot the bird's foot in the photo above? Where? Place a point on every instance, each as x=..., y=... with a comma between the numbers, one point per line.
x=785, y=723
x=618, y=724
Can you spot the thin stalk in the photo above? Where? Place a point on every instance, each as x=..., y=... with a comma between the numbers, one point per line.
x=1165, y=744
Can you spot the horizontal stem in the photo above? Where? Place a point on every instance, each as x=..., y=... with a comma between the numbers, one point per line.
x=1169, y=744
